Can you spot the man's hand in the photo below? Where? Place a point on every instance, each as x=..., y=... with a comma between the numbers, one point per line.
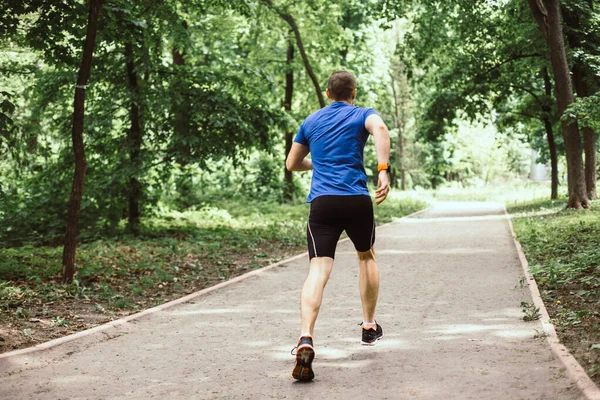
x=383, y=187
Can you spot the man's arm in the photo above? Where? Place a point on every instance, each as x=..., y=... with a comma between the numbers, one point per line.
x=296, y=160
x=381, y=136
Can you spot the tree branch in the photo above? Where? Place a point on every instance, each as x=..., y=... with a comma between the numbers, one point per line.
x=531, y=92
x=509, y=60
x=540, y=14
x=292, y=23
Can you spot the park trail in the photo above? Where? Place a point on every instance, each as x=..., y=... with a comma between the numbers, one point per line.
x=451, y=289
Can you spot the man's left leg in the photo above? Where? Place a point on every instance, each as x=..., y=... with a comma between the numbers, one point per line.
x=361, y=230
x=369, y=292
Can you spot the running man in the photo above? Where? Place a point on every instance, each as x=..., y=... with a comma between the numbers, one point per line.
x=335, y=136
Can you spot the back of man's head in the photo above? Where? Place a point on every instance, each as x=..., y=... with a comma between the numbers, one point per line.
x=341, y=86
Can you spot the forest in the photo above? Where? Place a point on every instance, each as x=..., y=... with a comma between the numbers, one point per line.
x=143, y=144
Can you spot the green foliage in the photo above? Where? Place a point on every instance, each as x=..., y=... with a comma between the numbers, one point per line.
x=206, y=81
x=7, y=108
x=532, y=313
x=586, y=110
x=482, y=61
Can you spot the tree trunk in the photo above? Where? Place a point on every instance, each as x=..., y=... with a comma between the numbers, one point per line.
x=402, y=144
x=547, y=110
x=134, y=139
x=589, y=146
x=399, y=125
x=579, y=73
x=589, y=136
x=292, y=23
x=72, y=227
x=182, y=113
x=396, y=120
x=288, y=193
x=546, y=14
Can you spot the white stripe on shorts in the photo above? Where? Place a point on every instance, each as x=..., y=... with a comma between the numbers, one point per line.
x=372, y=232
x=313, y=239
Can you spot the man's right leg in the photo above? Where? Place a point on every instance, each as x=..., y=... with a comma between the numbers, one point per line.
x=322, y=232
x=310, y=303
x=312, y=292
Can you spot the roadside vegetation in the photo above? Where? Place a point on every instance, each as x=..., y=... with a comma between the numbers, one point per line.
x=563, y=250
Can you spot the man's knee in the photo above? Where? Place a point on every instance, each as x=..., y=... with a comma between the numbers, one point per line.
x=366, y=255
x=322, y=266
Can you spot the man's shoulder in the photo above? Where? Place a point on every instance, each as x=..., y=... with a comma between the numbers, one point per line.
x=313, y=119
x=317, y=117
x=367, y=110
x=314, y=116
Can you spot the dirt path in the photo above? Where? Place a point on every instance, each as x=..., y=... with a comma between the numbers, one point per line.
x=449, y=305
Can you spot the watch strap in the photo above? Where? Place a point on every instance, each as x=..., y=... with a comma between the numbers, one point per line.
x=381, y=167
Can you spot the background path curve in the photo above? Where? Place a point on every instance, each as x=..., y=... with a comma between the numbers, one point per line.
x=449, y=305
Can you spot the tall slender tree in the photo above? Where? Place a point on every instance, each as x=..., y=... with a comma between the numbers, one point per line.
x=547, y=15
x=546, y=113
x=287, y=105
x=400, y=93
x=135, y=136
x=72, y=228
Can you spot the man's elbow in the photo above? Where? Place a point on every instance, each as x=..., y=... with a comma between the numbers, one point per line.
x=289, y=165
x=381, y=130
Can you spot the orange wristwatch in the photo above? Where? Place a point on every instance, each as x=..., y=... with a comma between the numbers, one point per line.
x=381, y=167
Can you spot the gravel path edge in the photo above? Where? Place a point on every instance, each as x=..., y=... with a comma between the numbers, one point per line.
x=572, y=366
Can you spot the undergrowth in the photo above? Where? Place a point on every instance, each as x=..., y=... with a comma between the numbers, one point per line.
x=563, y=250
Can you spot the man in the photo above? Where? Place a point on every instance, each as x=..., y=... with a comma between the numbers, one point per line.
x=336, y=136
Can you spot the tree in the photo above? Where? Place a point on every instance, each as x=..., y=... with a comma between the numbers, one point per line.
x=400, y=92
x=463, y=58
x=135, y=136
x=292, y=23
x=287, y=105
x=546, y=118
x=576, y=37
x=70, y=247
x=547, y=15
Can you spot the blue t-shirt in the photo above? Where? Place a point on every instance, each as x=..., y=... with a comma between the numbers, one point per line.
x=336, y=136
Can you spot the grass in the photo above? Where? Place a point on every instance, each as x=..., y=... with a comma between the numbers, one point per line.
x=175, y=254
x=563, y=250
x=509, y=192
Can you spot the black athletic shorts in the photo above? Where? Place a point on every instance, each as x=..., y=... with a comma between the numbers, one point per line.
x=331, y=215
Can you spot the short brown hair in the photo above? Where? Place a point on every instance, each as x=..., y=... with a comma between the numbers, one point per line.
x=341, y=84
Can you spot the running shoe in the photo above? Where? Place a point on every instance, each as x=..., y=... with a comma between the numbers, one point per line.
x=370, y=336
x=305, y=353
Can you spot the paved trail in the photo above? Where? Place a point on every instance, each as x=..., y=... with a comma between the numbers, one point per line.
x=449, y=306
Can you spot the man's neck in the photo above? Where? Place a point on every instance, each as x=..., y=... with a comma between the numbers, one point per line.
x=344, y=101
